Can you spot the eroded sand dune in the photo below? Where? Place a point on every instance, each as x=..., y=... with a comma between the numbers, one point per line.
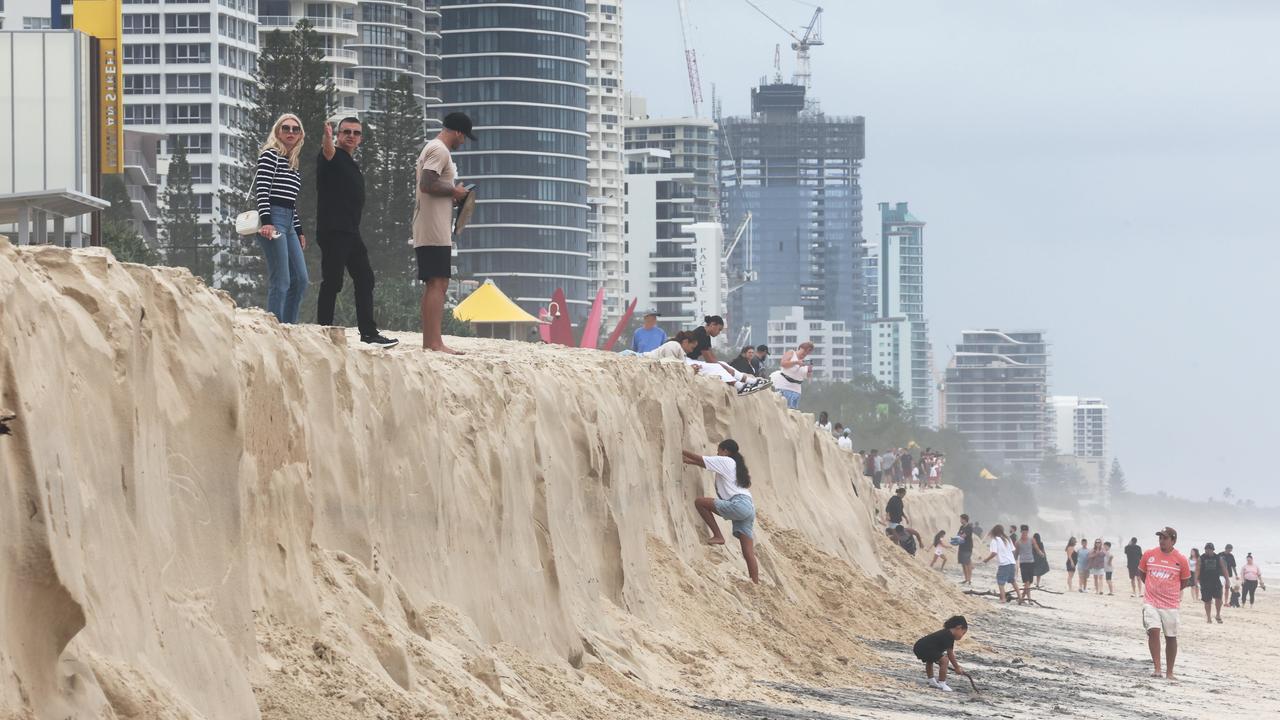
x=209, y=515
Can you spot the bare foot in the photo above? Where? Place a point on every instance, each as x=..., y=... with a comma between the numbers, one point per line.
x=444, y=349
x=1169, y=676
x=717, y=540
x=1157, y=674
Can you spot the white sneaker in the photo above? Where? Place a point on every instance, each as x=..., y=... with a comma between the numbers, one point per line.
x=933, y=683
x=944, y=687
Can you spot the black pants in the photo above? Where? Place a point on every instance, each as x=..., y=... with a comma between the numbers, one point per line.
x=339, y=254
x=1250, y=589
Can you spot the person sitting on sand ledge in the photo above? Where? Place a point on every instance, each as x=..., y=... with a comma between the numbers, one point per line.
x=932, y=648
x=732, y=501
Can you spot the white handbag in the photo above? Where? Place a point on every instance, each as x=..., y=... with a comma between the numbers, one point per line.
x=248, y=223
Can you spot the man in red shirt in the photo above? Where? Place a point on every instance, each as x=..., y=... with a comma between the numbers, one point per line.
x=1164, y=570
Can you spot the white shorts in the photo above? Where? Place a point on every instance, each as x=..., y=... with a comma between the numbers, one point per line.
x=1167, y=620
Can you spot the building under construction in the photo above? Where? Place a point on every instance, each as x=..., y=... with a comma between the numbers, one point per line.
x=796, y=171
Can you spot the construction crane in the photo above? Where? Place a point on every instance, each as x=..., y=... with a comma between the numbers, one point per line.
x=690, y=59
x=812, y=37
x=748, y=274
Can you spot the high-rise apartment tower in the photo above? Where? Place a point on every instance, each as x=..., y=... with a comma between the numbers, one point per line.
x=796, y=172
x=519, y=70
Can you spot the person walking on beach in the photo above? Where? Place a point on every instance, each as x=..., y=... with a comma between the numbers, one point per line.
x=1006, y=562
x=732, y=501
x=789, y=378
x=1042, y=559
x=1026, y=560
x=1071, y=564
x=339, y=207
x=1097, y=566
x=1163, y=570
x=1210, y=576
x=1251, y=574
x=1193, y=562
x=1110, y=570
x=894, y=510
x=939, y=550
x=438, y=192
x=276, y=186
x=1133, y=554
x=712, y=325
x=964, y=551
x=1229, y=558
x=649, y=336
x=934, y=647
x=1082, y=564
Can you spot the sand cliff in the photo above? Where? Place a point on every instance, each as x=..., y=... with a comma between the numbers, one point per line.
x=210, y=515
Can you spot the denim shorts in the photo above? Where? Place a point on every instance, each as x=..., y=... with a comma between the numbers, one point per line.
x=1004, y=574
x=741, y=511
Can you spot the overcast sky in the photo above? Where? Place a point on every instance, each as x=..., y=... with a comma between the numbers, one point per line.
x=1105, y=171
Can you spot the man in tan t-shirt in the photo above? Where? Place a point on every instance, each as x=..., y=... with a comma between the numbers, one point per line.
x=433, y=223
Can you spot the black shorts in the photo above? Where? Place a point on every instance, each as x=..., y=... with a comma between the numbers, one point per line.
x=1028, y=571
x=434, y=261
x=1108, y=576
x=923, y=656
x=1211, y=590
x=1133, y=571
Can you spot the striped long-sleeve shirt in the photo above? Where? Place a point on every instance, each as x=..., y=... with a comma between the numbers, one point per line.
x=276, y=184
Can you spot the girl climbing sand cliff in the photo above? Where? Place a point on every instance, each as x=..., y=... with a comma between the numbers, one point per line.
x=732, y=501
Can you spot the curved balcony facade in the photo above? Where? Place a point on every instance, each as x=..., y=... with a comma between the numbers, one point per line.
x=518, y=68
x=396, y=38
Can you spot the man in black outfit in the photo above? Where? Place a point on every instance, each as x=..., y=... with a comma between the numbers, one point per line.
x=894, y=509
x=757, y=362
x=340, y=191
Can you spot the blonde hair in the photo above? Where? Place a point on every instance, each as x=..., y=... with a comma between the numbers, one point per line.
x=806, y=345
x=273, y=140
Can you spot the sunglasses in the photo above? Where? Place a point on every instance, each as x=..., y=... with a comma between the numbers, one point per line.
x=290, y=129
x=348, y=131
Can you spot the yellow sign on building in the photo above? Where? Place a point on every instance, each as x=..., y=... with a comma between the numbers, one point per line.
x=101, y=19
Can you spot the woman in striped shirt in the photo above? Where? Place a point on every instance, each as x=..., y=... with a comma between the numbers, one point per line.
x=275, y=188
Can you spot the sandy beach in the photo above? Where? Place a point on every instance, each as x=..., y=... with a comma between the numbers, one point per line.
x=207, y=515
x=1085, y=657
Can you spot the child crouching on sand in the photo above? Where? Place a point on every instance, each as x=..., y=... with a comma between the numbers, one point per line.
x=933, y=647
x=732, y=501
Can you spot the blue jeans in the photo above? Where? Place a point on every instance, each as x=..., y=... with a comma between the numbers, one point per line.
x=286, y=267
x=792, y=397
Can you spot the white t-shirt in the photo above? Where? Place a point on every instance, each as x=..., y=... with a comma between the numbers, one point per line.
x=1004, y=551
x=798, y=372
x=845, y=442
x=726, y=471
x=826, y=427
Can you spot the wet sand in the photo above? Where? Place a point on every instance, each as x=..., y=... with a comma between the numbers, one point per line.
x=1084, y=656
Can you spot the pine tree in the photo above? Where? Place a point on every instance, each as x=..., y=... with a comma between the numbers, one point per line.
x=291, y=77
x=118, y=232
x=398, y=126
x=1115, y=481
x=183, y=239
x=394, y=133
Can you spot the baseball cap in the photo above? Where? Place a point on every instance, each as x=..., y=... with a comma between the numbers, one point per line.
x=459, y=122
x=654, y=313
x=1173, y=534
